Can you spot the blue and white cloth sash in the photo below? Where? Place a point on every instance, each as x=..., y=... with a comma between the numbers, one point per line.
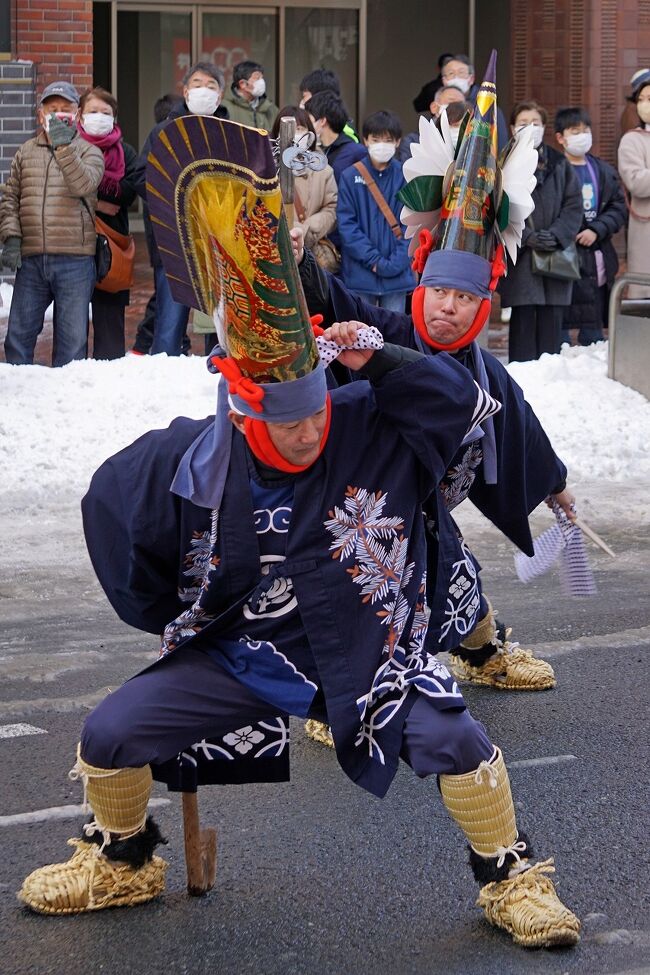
x=562, y=541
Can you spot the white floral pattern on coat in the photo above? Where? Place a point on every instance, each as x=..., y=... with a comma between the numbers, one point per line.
x=463, y=597
x=271, y=735
x=459, y=479
x=379, y=547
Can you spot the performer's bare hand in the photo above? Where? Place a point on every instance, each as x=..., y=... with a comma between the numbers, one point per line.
x=566, y=501
x=298, y=243
x=345, y=333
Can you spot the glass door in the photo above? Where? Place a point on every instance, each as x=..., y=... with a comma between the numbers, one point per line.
x=154, y=50
x=322, y=38
x=230, y=35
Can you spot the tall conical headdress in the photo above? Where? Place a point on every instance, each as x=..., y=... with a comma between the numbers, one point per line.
x=463, y=206
x=216, y=211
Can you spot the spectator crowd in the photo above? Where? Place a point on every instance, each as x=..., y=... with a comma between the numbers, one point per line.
x=65, y=208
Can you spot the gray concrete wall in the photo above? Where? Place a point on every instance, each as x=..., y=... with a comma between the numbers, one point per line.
x=17, y=113
x=17, y=109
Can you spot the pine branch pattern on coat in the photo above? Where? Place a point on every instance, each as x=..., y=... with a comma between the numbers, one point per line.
x=379, y=548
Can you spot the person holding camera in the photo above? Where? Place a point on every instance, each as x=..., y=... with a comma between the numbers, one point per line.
x=48, y=231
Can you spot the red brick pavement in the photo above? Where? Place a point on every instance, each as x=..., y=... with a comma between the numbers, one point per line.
x=141, y=291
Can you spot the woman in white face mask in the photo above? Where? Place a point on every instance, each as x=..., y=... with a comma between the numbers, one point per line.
x=538, y=302
x=98, y=125
x=634, y=169
x=315, y=193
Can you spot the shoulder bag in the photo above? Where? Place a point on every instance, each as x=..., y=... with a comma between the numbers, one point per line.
x=114, y=257
x=563, y=265
x=378, y=197
x=323, y=250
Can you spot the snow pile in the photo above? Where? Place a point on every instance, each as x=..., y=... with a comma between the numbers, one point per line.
x=600, y=428
x=58, y=425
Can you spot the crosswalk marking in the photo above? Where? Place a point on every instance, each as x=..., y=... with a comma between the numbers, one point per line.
x=57, y=812
x=20, y=730
x=547, y=760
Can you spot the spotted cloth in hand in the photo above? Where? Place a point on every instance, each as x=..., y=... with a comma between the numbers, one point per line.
x=367, y=338
x=564, y=541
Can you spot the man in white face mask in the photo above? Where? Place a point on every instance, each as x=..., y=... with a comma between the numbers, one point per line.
x=203, y=92
x=247, y=101
x=48, y=233
x=458, y=72
x=203, y=87
x=374, y=253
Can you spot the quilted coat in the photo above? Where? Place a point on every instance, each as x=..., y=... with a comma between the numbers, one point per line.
x=42, y=202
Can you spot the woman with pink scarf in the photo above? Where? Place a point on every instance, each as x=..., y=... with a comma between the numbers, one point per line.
x=98, y=124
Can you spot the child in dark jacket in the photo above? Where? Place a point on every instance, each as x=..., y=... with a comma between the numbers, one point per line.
x=604, y=213
x=374, y=253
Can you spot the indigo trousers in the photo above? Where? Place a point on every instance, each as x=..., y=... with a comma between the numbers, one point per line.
x=187, y=697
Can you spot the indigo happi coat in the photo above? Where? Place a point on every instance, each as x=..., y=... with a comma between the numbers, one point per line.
x=527, y=468
x=355, y=558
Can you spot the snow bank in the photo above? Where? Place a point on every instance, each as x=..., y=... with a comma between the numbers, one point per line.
x=58, y=425
x=600, y=428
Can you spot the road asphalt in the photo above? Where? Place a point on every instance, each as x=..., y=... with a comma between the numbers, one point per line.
x=317, y=877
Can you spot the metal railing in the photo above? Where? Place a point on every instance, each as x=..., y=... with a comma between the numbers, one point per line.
x=615, y=309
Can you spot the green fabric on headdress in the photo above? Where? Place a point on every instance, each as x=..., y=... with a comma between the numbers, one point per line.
x=422, y=193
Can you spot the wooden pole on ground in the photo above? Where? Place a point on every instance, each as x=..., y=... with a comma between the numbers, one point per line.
x=200, y=849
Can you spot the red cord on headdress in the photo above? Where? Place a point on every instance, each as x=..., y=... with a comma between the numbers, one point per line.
x=315, y=322
x=259, y=440
x=239, y=385
x=423, y=251
x=481, y=317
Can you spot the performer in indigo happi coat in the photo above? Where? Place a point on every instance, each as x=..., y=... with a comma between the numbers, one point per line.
x=463, y=207
x=279, y=547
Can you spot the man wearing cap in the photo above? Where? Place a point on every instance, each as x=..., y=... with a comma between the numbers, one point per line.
x=452, y=210
x=48, y=231
x=279, y=547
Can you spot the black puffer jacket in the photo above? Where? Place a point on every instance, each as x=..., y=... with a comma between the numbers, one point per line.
x=586, y=303
x=558, y=207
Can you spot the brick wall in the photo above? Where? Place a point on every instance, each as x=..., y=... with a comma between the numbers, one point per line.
x=580, y=52
x=57, y=35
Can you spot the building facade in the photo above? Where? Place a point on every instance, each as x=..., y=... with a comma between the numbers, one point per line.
x=558, y=51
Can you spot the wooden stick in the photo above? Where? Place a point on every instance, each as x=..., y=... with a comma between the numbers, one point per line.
x=286, y=134
x=590, y=533
x=200, y=849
